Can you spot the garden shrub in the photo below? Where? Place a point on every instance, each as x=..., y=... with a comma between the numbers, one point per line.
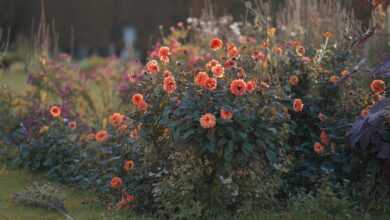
x=224, y=118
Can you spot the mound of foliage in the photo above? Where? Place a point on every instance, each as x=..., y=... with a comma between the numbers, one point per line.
x=224, y=118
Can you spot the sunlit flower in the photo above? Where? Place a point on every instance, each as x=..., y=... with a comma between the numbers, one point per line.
x=328, y=34
x=55, y=111
x=324, y=138
x=201, y=79
x=116, y=119
x=211, y=84
x=137, y=99
x=128, y=165
x=216, y=44
x=116, y=182
x=300, y=50
x=152, y=66
x=259, y=56
x=378, y=86
x=101, y=136
x=169, y=85
x=218, y=71
x=226, y=115
x=271, y=32
x=208, y=121
x=298, y=105
x=250, y=86
x=164, y=60
x=334, y=79
x=164, y=52
x=318, y=148
x=211, y=64
x=233, y=51
x=72, y=125
x=143, y=106
x=238, y=87
x=293, y=80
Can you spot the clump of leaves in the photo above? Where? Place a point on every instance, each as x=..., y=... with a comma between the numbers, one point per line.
x=371, y=133
x=44, y=196
x=329, y=200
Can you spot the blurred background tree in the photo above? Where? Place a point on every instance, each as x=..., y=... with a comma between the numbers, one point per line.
x=105, y=27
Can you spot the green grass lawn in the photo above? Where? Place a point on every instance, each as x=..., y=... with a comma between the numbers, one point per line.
x=81, y=205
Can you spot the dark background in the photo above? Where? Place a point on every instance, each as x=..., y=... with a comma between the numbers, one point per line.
x=97, y=25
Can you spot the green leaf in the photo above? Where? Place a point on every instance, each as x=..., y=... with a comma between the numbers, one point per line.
x=248, y=148
x=210, y=147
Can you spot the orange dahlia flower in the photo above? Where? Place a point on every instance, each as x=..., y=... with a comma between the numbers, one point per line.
x=116, y=119
x=259, y=56
x=137, y=99
x=378, y=86
x=218, y=70
x=233, y=51
x=152, y=66
x=55, y=111
x=128, y=165
x=72, y=125
x=216, y=44
x=250, y=86
x=116, y=182
x=101, y=136
x=238, y=87
x=226, y=115
x=164, y=52
x=318, y=148
x=211, y=84
x=298, y=105
x=169, y=84
x=201, y=79
x=208, y=121
x=211, y=64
